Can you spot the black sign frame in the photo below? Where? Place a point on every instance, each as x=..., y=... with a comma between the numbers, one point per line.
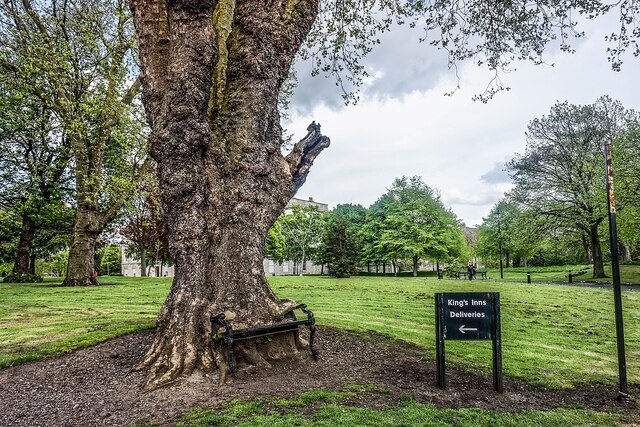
x=484, y=324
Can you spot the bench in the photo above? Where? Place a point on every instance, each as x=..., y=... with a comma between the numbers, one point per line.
x=461, y=275
x=573, y=274
x=289, y=324
x=465, y=274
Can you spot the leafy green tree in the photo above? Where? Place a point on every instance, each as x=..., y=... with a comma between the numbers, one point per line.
x=416, y=224
x=34, y=160
x=110, y=260
x=560, y=175
x=74, y=59
x=373, y=250
x=275, y=243
x=59, y=262
x=519, y=231
x=342, y=243
x=626, y=152
x=9, y=226
x=302, y=231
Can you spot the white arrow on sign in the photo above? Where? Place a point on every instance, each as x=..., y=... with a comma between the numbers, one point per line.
x=463, y=329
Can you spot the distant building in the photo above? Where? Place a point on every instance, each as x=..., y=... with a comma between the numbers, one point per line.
x=131, y=267
x=322, y=207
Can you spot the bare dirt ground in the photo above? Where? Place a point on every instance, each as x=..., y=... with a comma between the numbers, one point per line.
x=96, y=387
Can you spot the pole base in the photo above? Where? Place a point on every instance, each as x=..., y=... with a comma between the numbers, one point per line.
x=624, y=397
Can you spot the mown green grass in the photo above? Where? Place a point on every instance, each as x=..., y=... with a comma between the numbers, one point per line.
x=325, y=408
x=629, y=274
x=554, y=336
x=44, y=319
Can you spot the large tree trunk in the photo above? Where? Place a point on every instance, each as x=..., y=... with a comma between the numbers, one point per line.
x=596, y=250
x=587, y=244
x=415, y=266
x=210, y=87
x=22, y=264
x=80, y=267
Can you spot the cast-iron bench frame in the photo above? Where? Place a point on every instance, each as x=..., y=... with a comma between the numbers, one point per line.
x=290, y=324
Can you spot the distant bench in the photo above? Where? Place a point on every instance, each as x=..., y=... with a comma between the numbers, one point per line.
x=573, y=274
x=465, y=274
x=289, y=324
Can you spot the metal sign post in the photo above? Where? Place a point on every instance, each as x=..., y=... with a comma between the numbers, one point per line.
x=468, y=316
x=623, y=393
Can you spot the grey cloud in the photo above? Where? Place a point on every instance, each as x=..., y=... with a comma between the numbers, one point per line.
x=497, y=174
x=406, y=64
x=481, y=198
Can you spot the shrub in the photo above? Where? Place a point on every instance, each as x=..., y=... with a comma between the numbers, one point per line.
x=22, y=278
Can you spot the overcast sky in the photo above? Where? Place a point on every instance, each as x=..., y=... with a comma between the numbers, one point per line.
x=405, y=125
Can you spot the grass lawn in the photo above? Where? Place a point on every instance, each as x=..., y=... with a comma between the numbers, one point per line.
x=629, y=274
x=45, y=319
x=326, y=409
x=553, y=336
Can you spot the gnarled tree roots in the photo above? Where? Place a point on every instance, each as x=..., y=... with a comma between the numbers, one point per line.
x=176, y=356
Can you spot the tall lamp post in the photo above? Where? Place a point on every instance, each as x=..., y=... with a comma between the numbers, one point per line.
x=499, y=215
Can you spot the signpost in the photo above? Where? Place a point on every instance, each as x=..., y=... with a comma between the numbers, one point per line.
x=468, y=316
x=623, y=392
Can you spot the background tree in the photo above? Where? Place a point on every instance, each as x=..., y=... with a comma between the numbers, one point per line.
x=560, y=174
x=519, y=231
x=142, y=225
x=274, y=245
x=34, y=160
x=417, y=225
x=73, y=57
x=302, y=232
x=627, y=181
x=110, y=260
x=341, y=242
x=212, y=72
x=373, y=250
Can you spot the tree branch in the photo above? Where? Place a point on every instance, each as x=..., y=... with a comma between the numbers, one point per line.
x=133, y=90
x=152, y=27
x=34, y=17
x=108, y=215
x=7, y=65
x=304, y=153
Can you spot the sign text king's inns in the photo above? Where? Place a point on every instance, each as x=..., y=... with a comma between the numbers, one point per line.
x=467, y=316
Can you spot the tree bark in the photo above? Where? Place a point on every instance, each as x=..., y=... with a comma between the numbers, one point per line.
x=80, y=267
x=22, y=264
x=210, y=88
x=415, y=266
x=588, y=246
x=596, y=250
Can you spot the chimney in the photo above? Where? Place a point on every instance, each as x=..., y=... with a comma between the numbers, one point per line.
x=311, y=199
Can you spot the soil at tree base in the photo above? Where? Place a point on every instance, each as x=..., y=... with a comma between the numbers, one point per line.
x=96, y=387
